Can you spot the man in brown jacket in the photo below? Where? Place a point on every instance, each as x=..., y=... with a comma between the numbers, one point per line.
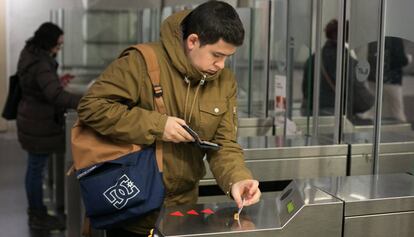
x=198, y=91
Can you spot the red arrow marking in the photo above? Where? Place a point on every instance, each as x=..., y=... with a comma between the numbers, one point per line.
x=177, y=213
x=207, y=211
x=192, y=212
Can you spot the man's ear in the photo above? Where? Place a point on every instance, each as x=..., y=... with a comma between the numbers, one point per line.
x=192, y=41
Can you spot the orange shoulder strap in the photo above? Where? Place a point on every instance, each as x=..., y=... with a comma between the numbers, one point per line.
x=153, y=69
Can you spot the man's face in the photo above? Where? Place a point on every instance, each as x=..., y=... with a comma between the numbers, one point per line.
x=209, y=58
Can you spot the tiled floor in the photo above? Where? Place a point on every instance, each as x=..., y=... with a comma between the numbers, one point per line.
x=13, y=204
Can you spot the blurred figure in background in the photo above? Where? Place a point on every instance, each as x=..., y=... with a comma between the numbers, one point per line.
x=328, y=75
x=40, y=118
x=394, y=61
x=358, y=98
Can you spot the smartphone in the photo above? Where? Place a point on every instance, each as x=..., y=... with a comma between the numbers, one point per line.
x=201, y=143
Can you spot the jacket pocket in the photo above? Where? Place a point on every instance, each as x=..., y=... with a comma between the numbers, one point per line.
x=211, y=113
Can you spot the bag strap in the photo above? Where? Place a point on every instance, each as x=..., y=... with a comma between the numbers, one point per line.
x=153, y=69
x=327, y=78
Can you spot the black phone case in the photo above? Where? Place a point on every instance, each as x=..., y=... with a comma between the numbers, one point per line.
x=199, y=142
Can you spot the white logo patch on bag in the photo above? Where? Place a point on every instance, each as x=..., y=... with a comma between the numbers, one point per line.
x=119, y=194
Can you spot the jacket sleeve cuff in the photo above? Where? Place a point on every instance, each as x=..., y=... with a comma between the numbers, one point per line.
x=159, y=130
x=226, y=186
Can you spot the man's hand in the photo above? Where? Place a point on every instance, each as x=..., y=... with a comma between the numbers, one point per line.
x=247, y=189
x=174, y=131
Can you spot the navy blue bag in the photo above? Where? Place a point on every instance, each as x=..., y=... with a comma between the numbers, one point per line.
x=121, y=189
x=119, y=181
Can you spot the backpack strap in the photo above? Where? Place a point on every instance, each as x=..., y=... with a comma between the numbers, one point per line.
x=153, y=70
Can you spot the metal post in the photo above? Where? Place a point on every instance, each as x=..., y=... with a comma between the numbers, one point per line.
x=251, y=61
x=267, y=61
x=379, y=86
x=289, y=65
x=59, y=177
x=317, y=67
x=339, y=71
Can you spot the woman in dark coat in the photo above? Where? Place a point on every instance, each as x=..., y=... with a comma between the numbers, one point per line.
x=40, y=118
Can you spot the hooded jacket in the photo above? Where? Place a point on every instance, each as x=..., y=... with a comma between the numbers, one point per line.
x=40, y=120
x=120, y=105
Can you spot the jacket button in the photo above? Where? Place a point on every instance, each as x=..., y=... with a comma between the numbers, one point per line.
x=216, y=110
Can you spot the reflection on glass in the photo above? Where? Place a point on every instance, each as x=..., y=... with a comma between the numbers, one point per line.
x=359, y=100
x=224, y=218
x=249, y=62
x=101, y=35
x=328, y=75
x=395, y=59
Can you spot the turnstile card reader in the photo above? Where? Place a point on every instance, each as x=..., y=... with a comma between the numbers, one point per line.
x=300, y=210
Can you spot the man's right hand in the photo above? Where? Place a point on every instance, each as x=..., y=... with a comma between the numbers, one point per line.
x=174, y=131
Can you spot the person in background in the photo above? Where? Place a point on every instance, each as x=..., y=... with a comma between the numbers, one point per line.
x=394, y=61
x=328, y=75
x=40, y=117
x=358, y=98
x=198, y=91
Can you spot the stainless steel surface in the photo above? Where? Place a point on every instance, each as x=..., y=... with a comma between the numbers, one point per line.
x=371, y=194
x=379, y=85
x=255, y=127
x=402, y=127
x=300, y=210
x=73, y=205
x=339, y=99
x=317, y=66
x=374, y=205
x=384, y=225
x=396, y=152
x=275, y=158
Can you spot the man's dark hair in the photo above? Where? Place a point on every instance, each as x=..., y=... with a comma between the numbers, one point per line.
x=212, y=21
x=46, y=37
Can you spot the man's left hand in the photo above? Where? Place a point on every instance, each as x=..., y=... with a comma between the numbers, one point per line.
x=247, y=189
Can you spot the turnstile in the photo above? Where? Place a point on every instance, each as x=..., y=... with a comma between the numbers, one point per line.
x=396, y=152
x=352, y=206
x=297, y=211
x=273, y=158
x=374, y=206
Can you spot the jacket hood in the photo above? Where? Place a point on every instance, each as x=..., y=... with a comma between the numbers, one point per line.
x=172, y=40
x=31, y=55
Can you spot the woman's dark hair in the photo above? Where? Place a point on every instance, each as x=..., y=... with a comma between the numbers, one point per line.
x=212, y=21
x=46, y=36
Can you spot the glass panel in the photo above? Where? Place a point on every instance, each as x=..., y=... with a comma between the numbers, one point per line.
x=101, y=35
x=94, y=38
x=398, y=89
x=361, y=29
x=294, y=30
x=250, y=61
x=361, y=61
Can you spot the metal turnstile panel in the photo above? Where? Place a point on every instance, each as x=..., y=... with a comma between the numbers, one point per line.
x=384, y=225
x=396, y=152
x=272, y=158
x=255, y=127
x=371, y=194
x=293, y=168
x=299, y=210
x=390, y=163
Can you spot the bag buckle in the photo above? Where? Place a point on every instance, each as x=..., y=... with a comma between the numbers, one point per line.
x=157, y=91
